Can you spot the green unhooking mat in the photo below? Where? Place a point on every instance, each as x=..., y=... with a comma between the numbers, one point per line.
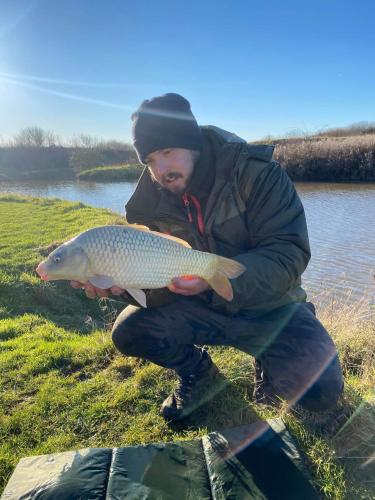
x=257, y=461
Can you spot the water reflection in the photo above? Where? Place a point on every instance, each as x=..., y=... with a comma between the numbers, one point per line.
x=341, y=228
x=340, y=220
x=101, y=195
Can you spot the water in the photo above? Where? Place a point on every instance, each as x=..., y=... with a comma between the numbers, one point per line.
x=340, y=220
x=101, y=195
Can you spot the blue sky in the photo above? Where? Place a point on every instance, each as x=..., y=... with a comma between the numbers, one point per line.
x=251, y=67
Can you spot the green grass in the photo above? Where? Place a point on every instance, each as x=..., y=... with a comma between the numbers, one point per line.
x=63, y=386
x=112, y=173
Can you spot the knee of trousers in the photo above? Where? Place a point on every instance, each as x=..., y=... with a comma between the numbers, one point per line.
x=129, y=332
x=325, y=392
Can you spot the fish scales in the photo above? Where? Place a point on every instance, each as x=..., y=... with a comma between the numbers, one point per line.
x=135, y=258
x=139, y=259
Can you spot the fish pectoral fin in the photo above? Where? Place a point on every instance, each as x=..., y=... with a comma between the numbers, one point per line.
x=138, y=295
x=101, y=281
x=107, y=282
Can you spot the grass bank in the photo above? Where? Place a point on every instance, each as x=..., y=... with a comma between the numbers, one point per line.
x=113, y=173
x=63, y=385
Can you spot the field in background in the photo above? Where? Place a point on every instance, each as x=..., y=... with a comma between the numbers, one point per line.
x=318, y=158
x=343, y=154
x=63, y=386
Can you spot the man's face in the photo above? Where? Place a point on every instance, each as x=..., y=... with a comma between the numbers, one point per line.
x=172, y=168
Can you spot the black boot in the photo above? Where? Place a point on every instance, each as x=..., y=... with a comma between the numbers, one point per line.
x=192, y=391
x=263, y=391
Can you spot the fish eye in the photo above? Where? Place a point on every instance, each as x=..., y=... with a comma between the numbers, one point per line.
x=57, y=259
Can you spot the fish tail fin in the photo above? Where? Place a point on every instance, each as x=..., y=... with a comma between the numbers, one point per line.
x=225, y=269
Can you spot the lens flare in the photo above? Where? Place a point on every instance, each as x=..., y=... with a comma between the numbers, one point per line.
x=369, y=461
x=64, y=95
x=74, y=83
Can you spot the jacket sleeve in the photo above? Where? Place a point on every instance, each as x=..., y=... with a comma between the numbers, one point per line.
x=278, y=241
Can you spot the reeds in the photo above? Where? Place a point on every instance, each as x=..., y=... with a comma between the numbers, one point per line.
x=328, y=158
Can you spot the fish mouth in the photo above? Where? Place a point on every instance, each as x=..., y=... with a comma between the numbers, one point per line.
x=42, y=272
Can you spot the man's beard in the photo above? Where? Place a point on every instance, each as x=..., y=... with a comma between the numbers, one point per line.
x=168, y=182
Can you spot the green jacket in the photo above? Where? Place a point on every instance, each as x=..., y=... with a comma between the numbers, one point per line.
x=252, y=214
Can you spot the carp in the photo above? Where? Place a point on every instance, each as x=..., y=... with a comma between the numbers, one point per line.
x=134, y=258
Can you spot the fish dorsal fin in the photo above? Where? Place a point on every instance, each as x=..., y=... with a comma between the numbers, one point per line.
x=138, y=226
x=172, y=238
x=162, y=235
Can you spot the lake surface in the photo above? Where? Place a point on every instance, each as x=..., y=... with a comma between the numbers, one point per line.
x=340, y=218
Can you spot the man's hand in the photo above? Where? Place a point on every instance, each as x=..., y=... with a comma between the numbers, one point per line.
x=92, y=291
x=188, y=285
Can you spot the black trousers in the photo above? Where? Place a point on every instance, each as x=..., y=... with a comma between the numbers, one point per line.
x=297, y=355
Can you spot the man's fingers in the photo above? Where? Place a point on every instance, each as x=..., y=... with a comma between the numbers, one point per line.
x=183, y=290
x=187, y=284
x=92, y=291
x=89, y=287
x=76, y=284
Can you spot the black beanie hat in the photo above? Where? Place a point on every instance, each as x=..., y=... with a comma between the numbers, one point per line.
x=165, y=122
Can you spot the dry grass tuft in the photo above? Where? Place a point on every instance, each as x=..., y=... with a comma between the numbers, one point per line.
x=328, y=158
x=352, y=326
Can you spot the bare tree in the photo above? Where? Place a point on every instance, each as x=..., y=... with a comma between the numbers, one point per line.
x=30, y=136
x=89, y=141
x=51, y=139
x=84, y=158
x=35, y=137
x=85, y=141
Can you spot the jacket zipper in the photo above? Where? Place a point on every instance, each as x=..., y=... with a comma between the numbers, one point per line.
x=200, y=221
x=187, y=206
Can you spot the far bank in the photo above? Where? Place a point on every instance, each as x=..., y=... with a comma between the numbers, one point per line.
x=313, y=159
